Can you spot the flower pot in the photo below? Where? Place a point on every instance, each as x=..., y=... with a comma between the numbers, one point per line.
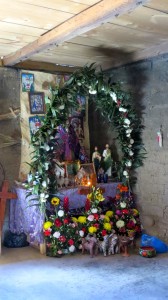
x=147, y=251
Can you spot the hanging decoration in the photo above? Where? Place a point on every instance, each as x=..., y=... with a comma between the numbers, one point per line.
x=115, y=105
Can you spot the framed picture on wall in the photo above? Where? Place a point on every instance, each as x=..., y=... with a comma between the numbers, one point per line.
x=36, y=101
x=35, y=123
x=27, y=82
x=77, y=124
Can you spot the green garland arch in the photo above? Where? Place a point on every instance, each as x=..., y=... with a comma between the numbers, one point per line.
x=114, y=104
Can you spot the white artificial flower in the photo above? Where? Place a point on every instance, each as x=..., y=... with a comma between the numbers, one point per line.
x=81, y=233
x=94, y=210
x=60, y=213
x=131, y=153
x=44, y=184
x=129, y=130
x=120, y=223
x=79, y=83
x=46, y=147
x=92, y=92
x=43, y=200
x=128, y=163
x=122, y=109
x=34, y=182
x=129, y=146
x=61, y=107
x=47, y=195
x=42, y=195
x=90, y=218
x=131, y=141
x=56, y=234
x=127, y=121
x=46, y=166
x=113, y=96
x=128, y=135
x=125, y=173
x=72, y=248
x=123, y=204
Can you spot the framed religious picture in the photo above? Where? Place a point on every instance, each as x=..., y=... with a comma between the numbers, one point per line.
x=36, y=101
x=27, y=82
x=77, y=124
x=35, y=123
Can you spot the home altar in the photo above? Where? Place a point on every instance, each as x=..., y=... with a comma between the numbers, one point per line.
x=26, y=217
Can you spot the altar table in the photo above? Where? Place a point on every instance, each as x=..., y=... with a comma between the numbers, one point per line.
x=29, y=220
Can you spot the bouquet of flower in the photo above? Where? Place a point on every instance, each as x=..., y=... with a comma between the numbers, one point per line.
x=60, y=231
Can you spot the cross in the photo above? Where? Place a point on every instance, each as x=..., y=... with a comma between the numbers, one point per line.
x=4, y=195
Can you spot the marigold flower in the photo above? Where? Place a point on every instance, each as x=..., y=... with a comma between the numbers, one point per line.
x=47, y=225
x=106, y=219
x=107, y=226
x=82, y=219
x=74, y=219
x=55, y=201
x=109, y=213
x=92, y=229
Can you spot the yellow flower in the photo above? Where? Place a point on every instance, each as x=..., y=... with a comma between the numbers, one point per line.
x=109, y=213
x=107, y=226
x=106, y=219
x=55, y=201
x=89, y=196
x=74, y=219
x=92, y=229
x=135, y=212
x=82, y=219
x=47, y=225
x=100, y=197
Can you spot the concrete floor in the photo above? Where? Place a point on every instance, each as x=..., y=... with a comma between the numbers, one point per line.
x=25, y=274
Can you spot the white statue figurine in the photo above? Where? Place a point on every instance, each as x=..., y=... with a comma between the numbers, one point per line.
x=96, y=158
x=107, y=160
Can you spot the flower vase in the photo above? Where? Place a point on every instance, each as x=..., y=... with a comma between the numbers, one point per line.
x=99, y=178
x=105, y=178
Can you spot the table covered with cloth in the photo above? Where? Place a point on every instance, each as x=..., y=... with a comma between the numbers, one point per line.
x=29, y=219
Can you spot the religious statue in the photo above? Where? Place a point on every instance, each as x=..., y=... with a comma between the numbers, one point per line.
x=96, y=158
x=107, y=163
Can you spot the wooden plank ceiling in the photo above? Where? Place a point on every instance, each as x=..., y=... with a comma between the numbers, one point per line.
x=28, y=26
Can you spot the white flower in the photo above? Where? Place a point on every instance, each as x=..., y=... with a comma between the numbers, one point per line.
x=125, y=173
x=46, y=166
x=131, y=141
x=94, y=210
x=60, y=213
x=90, y=218
x=56, y=234
x=47, y=195
x=44, y=184
x=43, y=200
x=127, y=121
x=129, y=130
x=131, y=153
x=34, y=182
x=42, y=195
x=113, y=96
x=92, y=92
x=72, y=248
x=128, y=163
x=46, y=147
x=129, y=146
x=123, y=204
x=122, y=109
x=61, y=107
x=81, y=233
x=120, y=223
x=128, y=135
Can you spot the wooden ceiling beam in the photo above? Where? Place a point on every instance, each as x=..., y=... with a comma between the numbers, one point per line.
x=88, y=19
x=45, y=67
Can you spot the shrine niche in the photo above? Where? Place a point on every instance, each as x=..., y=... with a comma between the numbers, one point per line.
x=56, y=142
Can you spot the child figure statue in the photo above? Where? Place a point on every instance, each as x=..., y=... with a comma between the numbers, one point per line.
x=107, y=160
x=96, y=158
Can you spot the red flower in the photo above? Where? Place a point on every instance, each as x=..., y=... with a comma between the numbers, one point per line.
x=118, y=102
x=96, y=225
x=62, y=239
x=84, y=229
x=96, y=216
x=130, y=224
x=57, y=222
x=47, y=232
x=66, y=221
x=104, y=232
x=125, y=211
x=71, y=242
